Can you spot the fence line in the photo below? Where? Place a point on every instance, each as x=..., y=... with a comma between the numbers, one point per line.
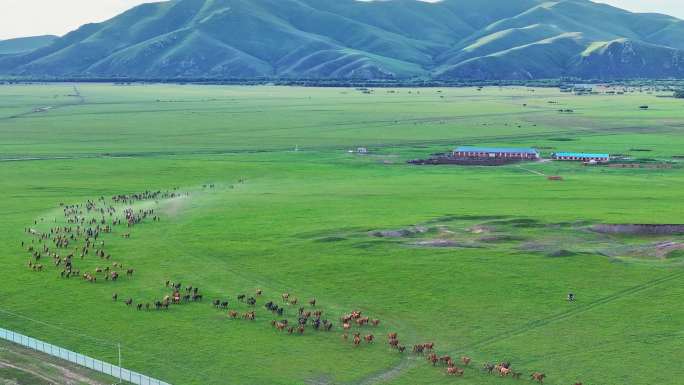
x=79, y=359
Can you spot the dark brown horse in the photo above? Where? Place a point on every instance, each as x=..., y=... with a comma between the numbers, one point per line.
x=539, y=377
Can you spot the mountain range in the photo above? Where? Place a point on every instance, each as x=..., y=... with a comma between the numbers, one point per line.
x=25, y=44
x=350, y=39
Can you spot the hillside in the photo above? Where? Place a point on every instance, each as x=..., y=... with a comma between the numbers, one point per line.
x=25, y=44
x=451, y=39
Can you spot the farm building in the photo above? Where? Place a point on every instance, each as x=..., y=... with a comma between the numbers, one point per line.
x=468, y=152
x=583, y=157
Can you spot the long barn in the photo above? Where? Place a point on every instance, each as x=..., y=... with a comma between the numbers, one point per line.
x=468, y=152
x=581, y=157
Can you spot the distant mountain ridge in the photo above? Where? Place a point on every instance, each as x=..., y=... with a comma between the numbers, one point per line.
x=25, y=44
x=349, y=39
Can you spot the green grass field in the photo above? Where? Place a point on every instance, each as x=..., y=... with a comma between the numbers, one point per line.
x=300, y=223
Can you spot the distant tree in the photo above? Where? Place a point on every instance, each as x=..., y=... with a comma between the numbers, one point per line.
x=679, y=94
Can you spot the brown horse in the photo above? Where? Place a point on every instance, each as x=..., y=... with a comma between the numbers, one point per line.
x=432, y=357
x=539, y=377
x=369, y=338
x=455, y=371
x=233, y=314
x=466, y=360
x=357, y=339
x=375, y=322
x=392, y=336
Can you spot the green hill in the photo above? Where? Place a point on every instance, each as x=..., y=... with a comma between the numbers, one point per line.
x=25, y=44
x=469, y=39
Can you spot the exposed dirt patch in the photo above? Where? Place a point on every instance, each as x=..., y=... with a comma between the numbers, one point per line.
x=639, y=229
x=439, y=243
x=561, y=254
x=446, y=243
x=401, y=233
x=500, y=238
x=19, y=375
x=21, y=366
x=479, y=229
x=666, y=249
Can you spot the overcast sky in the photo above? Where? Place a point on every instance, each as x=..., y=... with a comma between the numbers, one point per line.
x=57, y=17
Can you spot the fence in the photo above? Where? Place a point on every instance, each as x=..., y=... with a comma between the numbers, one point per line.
x=79, y=359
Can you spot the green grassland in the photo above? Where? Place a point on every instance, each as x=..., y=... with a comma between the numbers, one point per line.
x=300, y=223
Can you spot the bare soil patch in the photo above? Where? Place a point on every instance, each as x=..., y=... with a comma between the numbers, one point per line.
x=401, y=233
x=443, y=243
x=639, y=229
x=19, y=365
x=500, y=238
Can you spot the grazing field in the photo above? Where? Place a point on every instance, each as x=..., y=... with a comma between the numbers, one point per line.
x=477, y=260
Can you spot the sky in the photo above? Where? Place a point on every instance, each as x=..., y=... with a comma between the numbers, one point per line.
x=57, y=17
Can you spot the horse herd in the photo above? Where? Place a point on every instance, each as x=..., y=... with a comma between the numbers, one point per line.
x=313, y=318
x=81, y=237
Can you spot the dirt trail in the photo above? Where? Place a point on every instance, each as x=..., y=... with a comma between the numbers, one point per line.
x=536, y=324
x=389, y=374
x=44, y=109
x=532, y=171
x=406, y=363
x=48, y=369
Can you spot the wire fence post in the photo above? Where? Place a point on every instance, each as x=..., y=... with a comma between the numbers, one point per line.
x=119, y=346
